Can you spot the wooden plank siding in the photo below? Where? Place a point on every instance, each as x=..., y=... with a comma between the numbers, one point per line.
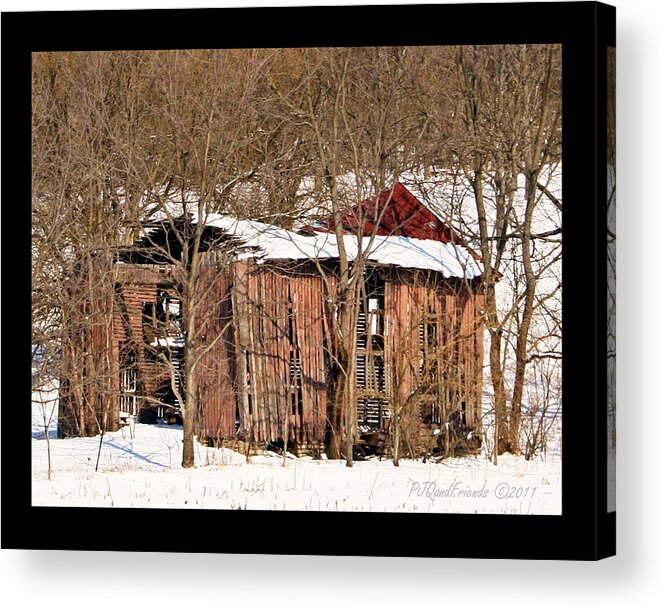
x=280, y=327
x=216, y=394
x=454, y=358
x=308, y=317
x=267, y=327
x=135, y=285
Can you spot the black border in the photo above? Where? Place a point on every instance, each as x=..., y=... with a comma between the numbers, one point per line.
x=585, y=530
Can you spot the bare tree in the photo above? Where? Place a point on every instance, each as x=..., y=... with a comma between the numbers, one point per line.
x=128, y=144
x=355, y=108
x=75, y=219
x=205, y=135
x=119, y=138
x=508, y=103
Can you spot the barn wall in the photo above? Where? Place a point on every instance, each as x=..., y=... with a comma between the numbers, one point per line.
x=434, y=345
x=135, y=285
x=267, y=328
x=216, y=417
x=279, y=329
x=282, y=327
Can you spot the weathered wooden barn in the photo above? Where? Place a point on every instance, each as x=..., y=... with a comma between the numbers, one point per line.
x=266, y=322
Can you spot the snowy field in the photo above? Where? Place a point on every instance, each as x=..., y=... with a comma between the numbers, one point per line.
x=139, y=466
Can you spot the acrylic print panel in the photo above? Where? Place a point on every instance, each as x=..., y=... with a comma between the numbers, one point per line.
x=453, y=400
x=611, y=279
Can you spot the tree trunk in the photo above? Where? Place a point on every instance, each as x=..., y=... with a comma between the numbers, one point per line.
x=525, y=322
x=48, y=447
x=343, y=415
x=339, y=426
x=333, y=448
x=502, y=442
x=498, y=384
x=285, y=432
x=241, y=340
x=351, y=416
x=396, y=431
x=188, y=421
x=349, y=337
x=188, y=364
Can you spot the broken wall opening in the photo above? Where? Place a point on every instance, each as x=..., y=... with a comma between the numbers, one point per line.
x=372, y=403
x=129, y=379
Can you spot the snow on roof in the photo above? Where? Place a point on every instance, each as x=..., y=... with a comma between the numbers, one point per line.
x=266, y=242
x=446, y=193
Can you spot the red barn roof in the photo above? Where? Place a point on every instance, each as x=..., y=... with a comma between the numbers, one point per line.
x=403, y=214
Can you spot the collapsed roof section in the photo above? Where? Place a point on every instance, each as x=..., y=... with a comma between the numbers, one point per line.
x=404, y=234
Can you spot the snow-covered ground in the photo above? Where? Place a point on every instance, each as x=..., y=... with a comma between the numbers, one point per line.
x=139, y=466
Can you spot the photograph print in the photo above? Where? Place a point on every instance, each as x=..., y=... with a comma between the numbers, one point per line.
x=298, y=279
